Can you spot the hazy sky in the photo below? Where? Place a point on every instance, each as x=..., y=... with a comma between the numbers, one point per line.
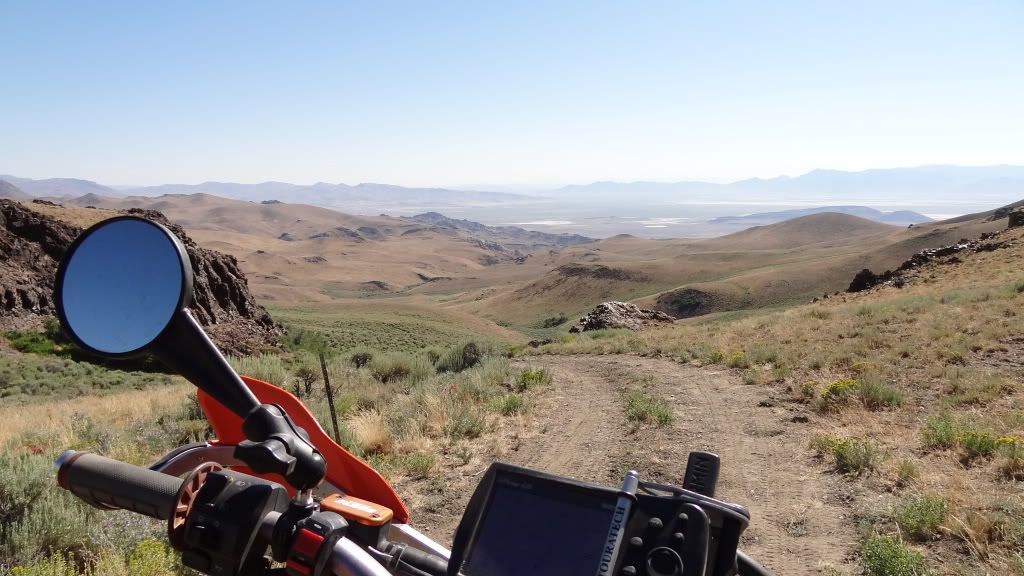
x=504, y=93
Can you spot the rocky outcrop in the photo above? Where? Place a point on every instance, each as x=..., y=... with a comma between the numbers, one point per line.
x=1016, y=217
x=866, y=279
x=31, y=245
x=600, y=272
x=620, y=315
x=339, y=232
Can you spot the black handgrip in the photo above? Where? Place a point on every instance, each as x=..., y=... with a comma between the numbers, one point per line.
x=107, y=483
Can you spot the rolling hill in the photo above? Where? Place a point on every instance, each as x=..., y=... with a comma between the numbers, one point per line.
x=8, y=190
x=827, y=228
x=896, y=218
x=299, y=253
x=58, y=187
x=774, y=265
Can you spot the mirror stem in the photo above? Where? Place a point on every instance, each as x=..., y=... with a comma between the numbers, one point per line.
x=275, y=443
x=186, y=349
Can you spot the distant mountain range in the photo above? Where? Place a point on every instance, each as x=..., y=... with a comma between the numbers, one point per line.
x=59, y=187
x=603, y=209
x=925, y=184
x=897, y=218
x=375, y=197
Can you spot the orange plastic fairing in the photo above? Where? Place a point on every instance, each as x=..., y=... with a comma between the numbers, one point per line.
x=344, y=470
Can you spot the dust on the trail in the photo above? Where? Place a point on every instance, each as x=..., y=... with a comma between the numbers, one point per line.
x=798, y=525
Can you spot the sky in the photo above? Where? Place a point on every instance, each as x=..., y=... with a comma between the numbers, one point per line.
x=504, y=95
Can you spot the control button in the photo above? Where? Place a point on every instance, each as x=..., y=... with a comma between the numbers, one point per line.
x=636, y=541
x=628, y=571
x=664, y=562
x=307, y=543
x=655, y=524
x=679, y=537
x=203, y=536
x=683, y=517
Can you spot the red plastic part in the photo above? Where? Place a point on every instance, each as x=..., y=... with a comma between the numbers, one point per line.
x=344, y=470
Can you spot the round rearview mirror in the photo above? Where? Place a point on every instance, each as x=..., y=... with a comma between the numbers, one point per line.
x=120, y=284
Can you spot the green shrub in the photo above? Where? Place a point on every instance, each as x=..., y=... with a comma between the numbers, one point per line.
x=887, y=556
x=531, y=378
x=153, y=558
x=906, y=472
x=460, y=358
x=877, y=394
x=465, y=421
x=856, y=456
x=433, y=355
x=510, y=404
x=23, y=479
x=396, y=366
x=921, y=517
x=809, y=389
x=940, y=431
x=56, y=565
x=642, y=408
x=850, y=455
x=838, y=392
x=56, y=522
x=1012, y=450
x=31, y=342
x=761, y=354
x=554, y=321
x=978, y=444
x=269, y=368
x=417, y=465
x=361, y=358
x=737, y=360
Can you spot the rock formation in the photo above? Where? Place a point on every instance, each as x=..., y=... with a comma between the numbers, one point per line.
x=620, y=315
x=31, y=244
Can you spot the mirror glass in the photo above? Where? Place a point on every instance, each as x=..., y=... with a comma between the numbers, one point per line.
x=122, y=286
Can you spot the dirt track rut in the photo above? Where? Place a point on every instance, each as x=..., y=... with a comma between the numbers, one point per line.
x=797, y=523
x=577, y=428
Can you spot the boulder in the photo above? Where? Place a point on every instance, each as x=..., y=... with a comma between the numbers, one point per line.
x=1016, y=217
x=620, y=315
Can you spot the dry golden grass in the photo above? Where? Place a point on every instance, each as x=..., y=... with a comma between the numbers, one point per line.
x=114, y=410
x=370, y=431
x=81, y=217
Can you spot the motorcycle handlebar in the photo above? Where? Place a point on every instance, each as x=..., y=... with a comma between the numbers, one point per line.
x=107, y=483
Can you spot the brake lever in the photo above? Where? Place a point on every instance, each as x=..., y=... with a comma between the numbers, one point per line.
x=186, y=458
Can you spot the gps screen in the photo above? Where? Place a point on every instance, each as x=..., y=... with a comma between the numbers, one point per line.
x=540, y=528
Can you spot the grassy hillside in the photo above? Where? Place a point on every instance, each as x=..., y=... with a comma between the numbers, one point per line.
x=780, y=264
x=830, y=227
x=914, y=400
x=384, y=325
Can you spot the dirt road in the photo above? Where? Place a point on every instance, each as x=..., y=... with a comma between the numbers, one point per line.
x=579, y=429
